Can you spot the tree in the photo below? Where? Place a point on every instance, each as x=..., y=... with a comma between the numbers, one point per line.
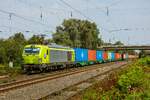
x=118, y=43
x=19, y=37
x=35, y=39
x=3, y=57
x=100, y=42
x=77, y=33
x=12, y=48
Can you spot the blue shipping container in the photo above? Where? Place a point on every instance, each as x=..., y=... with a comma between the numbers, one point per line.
x=112, y=56
x=81, y=55
x=99, y=55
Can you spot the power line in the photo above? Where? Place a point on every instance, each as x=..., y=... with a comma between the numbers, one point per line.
x=22, y=30
x=114, y=3
x=19, y=16
x=129, y=29
x=108, y=6
x=39, y=7
x=21, y=23
x=78, y=11
x=9, y=27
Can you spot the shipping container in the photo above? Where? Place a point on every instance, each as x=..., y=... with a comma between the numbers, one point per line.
x=91, y=55
x=81, y=55
x=109, y=56
x=105, y=56
x=117, y=56
x=125, y=56
x=112, y=56
x=99, y=56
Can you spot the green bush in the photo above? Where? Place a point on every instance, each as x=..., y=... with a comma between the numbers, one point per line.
x=10, y=71
x=90, y=95
x=144, y=61
x=132, y=78
x=133, y=84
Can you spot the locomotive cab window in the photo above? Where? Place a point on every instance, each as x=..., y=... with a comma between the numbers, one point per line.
x=32, y=50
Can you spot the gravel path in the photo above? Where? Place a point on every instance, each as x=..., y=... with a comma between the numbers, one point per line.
x=39, y=90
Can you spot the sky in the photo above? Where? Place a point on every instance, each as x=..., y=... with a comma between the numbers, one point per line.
x=118, y=20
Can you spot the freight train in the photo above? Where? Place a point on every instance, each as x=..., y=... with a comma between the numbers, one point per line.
x=47, y=57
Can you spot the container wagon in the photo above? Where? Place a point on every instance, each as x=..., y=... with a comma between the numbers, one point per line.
x=99, y=56
x=42, y=57
x=81, y=56
x=112, y=56
x=105, y=56
x=91, y=56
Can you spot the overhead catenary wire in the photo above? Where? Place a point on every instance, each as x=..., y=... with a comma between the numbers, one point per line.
x=20, y=23
x=78, y=11
x=22, y=30
x=68, y=5
x=21, y=17
x=107, y=7
x=24, y=18
x=53, y=12
x=38, y=6
x=11, y=27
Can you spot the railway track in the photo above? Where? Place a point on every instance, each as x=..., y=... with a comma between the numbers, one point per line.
x=62, y=93
x=24, y=83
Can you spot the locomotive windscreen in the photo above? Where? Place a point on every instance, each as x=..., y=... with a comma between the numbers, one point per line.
x=32, y=50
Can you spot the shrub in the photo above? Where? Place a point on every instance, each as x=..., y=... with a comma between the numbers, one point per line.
x=133, y=78
x=144, y=61
x=90, y=95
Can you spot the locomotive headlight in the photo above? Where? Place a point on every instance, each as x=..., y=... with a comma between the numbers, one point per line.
x=39, y=60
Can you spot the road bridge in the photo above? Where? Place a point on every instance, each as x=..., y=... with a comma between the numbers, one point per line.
x=125, y=47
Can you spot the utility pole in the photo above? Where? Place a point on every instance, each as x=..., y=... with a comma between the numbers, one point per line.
x=10, y=20
x=128, y=40
x=41, y=15
x=107, y=11
x=71, y=14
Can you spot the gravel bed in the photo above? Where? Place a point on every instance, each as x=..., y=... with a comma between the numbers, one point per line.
x=69, y=92
x=36, y=91
x=19, y=77
x=66, y=94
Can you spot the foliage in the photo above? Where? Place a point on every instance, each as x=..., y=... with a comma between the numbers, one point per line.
x=77, y=33
x=3, y=57
x=132, y=84
x=91, y=95
x=36, y=40
x=118, y=43
x=11, y=72
x=11, y=49
x=144, y=61
x=132, y=78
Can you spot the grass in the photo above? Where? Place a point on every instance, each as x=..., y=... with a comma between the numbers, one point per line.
x=1, y=65
x=132, y=83
x=12, y=72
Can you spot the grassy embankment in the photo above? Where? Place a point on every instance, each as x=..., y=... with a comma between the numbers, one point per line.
x=133, y=83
